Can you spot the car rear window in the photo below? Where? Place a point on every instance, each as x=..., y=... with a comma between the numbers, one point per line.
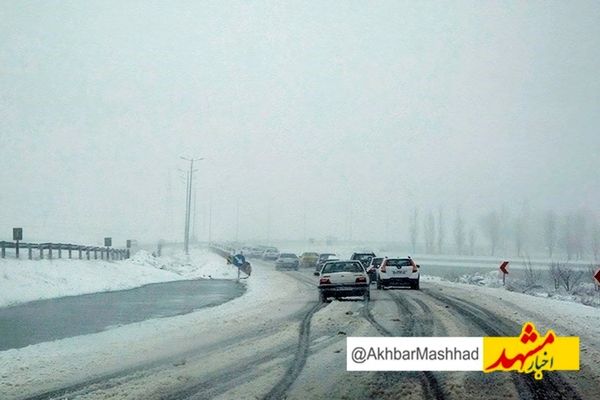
x=334, y=267
x=287, y=255
x=398, y=262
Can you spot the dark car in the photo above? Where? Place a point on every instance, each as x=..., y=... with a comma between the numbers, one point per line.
x=364, y=258
x=323, y=258
x=373, y=267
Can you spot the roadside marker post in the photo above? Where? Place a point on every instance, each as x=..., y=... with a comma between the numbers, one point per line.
x=504, y=270
x=597, y=279
x=17, y=236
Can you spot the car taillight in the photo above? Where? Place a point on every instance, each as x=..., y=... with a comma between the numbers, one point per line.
x=361, y=279
x=382, y=268
x=415, y=268
x=324, y=281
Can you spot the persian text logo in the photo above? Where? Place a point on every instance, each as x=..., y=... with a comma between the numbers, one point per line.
x=531, y=352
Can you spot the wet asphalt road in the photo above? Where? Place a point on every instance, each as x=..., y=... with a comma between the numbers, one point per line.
x=46, y=320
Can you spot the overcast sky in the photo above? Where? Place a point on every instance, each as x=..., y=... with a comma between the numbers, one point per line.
x=335, y=110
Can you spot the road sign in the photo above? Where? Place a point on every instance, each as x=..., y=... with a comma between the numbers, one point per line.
x=107, y=241
x=504, y=269
x=597, y=276
x=239, y=260
x=17, y=233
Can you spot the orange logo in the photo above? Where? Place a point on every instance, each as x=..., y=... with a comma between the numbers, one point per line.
x=531, y=352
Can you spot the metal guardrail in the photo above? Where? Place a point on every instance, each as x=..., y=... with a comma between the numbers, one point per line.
x=87, y=252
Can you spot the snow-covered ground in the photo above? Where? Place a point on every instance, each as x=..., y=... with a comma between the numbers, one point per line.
x=265, y=304
x=27, y=280
x=244, y=348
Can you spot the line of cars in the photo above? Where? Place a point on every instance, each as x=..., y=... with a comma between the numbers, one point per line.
x=341, y=278
x=345, y=278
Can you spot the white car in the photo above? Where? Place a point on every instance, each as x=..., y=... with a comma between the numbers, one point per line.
x=343, y=279
x=287, y=260
x=270, y=255
x=398, y=272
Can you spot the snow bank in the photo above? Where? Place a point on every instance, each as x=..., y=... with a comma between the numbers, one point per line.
x=28, y=280
x=266, y=303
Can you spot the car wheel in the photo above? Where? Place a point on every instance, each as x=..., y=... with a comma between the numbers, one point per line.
x=323, y=297
x=367, y=296
x=379, y=286
x=415, y=285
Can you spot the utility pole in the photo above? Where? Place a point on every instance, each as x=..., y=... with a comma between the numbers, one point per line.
x=237, y=220
x=210, y=219
x=188, y=203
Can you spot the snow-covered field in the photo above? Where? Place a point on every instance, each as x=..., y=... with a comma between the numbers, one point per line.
x=26, y=280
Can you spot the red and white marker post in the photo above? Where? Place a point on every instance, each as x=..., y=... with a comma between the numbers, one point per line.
x=504, y=270
x=597, y=279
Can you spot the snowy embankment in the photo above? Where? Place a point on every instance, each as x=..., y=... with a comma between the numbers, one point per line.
x=28, y=280
x=269, y=301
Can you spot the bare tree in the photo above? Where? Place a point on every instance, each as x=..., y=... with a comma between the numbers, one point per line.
x=532, y=276
x=519, y=235
x=472, y=241
x=490, y=224
x=414, y=229
x=570, y=276
x=554, y=270
x=441, y=230
x=580, y=233
x=550, y=232
x=567, y=237
x=595, y=238
x=429, y=229
x=459, y=231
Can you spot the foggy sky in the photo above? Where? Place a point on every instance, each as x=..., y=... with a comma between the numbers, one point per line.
x=337, y=111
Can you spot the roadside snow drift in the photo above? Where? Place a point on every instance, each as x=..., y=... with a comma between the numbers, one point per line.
x=28, y=280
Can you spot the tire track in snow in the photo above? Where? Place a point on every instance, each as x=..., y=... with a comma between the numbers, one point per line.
x=553, y=386
x=300, y=357
x=428, y=381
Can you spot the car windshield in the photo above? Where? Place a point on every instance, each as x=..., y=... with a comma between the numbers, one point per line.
x=287, y=255
x=364, y=257
x=398, y=262
x=334, y=267
x=310, y=255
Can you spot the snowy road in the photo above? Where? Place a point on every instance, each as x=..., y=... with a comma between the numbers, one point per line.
x=278, y=341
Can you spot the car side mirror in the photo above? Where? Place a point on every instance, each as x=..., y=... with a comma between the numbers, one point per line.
x=418, y=266
x=316, y=273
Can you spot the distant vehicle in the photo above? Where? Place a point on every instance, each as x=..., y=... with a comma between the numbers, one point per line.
x=372, y=268
x=255, y=252
x=343, y=279
x=398, y=272
x=364, y=258
x=308, y=259
x=270, y=254
x=287, y=260
x=324, y=257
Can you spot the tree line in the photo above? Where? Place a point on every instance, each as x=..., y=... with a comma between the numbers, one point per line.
x=574, y=235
